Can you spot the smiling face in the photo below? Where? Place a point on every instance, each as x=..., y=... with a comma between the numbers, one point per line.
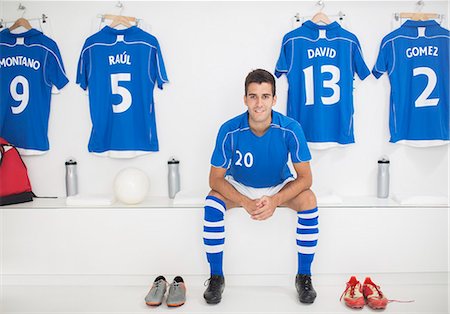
x=260, y=100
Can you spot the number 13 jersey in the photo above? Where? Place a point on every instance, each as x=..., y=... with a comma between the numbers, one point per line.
x=416, y=58
x=120, y=69
x=320, y=62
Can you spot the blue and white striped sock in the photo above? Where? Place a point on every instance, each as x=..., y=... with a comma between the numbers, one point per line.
x=214, y=233
x=307, y=236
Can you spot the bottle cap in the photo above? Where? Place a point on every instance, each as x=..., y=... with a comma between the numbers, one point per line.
x=383, y=160
x=71, y=162
x=173, y=161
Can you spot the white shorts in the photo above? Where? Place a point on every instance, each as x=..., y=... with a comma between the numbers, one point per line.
x=256, y=193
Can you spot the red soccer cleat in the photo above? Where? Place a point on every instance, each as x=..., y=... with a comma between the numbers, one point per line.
x=353, y=296
x=373, y=295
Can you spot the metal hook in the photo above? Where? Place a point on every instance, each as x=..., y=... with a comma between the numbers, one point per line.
x=120, y=6
x=321, y=3
x=420, y=5
x=22, y=8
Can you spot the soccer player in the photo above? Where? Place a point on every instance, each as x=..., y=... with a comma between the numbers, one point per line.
x=249, y=169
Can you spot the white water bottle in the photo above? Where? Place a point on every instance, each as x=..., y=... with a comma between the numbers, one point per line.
x=71, y=178
x=173, y=177
x=383, y=177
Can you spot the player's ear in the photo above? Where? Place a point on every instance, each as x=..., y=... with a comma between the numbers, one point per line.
x=245, y=100
x=274, y=100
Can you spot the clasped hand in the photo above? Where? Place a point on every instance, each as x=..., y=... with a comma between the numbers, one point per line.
x=262, y=208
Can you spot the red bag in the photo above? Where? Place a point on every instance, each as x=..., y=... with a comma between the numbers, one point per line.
x=15, y=186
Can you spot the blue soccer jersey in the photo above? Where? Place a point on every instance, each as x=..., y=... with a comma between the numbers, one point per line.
x=260, y=161
x=120, y=68
x=320, y=62
x=30, y=64
x=416, y=58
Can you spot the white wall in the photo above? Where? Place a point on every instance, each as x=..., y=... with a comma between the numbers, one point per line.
x=209, y=47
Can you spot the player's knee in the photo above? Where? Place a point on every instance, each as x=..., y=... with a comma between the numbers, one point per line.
x=216, y=195
x=307, y=200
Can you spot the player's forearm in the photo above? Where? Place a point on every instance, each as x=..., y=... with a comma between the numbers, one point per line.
x=292, y=189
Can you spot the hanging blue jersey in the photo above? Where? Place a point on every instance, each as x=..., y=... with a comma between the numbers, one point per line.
x=416, y=58
x=30, y=64
x=120, y=68
x=260, y=161
x=320, y=62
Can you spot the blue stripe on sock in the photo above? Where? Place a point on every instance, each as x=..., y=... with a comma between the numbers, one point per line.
x=213, y=214
x=214, y=229
x=308, y=222
x=307, y=231
x=307, y=243
x=213, y=241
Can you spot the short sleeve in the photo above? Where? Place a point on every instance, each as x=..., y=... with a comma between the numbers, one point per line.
x=222, y=154
x=157, y=68
x=359, y=65
x=54, y=69
x=383, y=61
x=297, y=145
x=284, y=60
x=83, y=68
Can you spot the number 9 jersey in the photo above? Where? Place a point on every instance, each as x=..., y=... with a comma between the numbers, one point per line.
x=320, y=62
x=416, y=58
x=30, y=64
x=120, y=69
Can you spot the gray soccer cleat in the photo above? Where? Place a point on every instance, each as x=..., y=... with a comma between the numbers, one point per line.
x=177, y=293
x=156, y=294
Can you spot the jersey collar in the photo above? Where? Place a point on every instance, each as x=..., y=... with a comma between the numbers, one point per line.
x=120, y=31
x=28, y=33
x=313, y=25
x=411, y=23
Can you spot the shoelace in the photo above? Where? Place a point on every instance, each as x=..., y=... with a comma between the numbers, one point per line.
x=213, y=283
x=158, y=284
x=306, y=282
x=378, y=289
x=352, y=291
x=389, y=301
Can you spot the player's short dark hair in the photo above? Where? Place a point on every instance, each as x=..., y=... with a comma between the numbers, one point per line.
x=260, y=76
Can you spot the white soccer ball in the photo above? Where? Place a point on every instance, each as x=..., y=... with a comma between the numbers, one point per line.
x=131, y=186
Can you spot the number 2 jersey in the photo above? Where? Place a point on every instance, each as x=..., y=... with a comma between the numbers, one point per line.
x=320, y=62
x=30, y=64
x=416, y=58
x=120, y=69
x=259, y=161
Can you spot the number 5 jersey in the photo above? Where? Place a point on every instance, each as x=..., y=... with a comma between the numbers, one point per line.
x=30, y=64
x=120, y=69
x=320, y=62
x=416, y=58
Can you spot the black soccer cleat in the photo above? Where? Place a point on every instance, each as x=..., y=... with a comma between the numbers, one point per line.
x=305, y=290
x=216, y=285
